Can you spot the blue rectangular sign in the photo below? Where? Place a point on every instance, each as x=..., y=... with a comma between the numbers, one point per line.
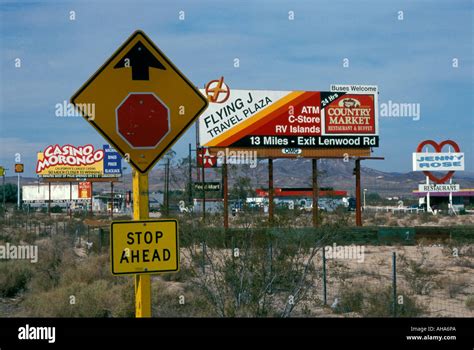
x=112, y=161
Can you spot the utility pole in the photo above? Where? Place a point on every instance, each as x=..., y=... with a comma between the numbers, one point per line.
x=165, y=188
x=270, y=191
x=358, y=204
x=18, y=192
x=203, y=189
x=315, y=193
x=111, y=200
x=225, y=193
x=190, y=180
x=4, y=203
x=365, y=191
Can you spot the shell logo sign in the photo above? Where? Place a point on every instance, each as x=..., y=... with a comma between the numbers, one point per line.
x=71, y=161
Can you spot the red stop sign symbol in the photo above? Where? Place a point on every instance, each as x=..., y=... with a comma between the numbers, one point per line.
x=143, y=120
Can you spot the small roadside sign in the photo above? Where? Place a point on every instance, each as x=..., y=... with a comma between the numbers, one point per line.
x=146, y=246
x=19, y=168
x=208, y=186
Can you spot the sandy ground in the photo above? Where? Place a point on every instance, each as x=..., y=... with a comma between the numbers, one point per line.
x=448, y=284
x=422, y=219
x=445, y=280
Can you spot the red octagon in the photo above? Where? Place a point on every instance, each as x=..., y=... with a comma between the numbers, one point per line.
x=142, y=120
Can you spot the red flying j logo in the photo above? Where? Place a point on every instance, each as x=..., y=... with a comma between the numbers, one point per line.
x=205, y=159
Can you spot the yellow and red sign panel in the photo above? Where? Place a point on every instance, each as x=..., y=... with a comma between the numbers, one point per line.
x=291, y=119
x=85, y=190
x=73, y=161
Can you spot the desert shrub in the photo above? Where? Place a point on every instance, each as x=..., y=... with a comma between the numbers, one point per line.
x=342, y=215
x=426, y=217
x=351, y=299
x=380, y=304
x=467, y=251
x=417, y=273
x=97, y=299
x=464, y=262
x=94, y=267
x=470, y=302
x=53, y=255
x=14, y=277
x=255, y=283
x=393, y=222
x=182, y=275
x=184, y=301
x=454, y=285
x=374, y=301
x=56, y=209
x=380, y=219
x=25, y=235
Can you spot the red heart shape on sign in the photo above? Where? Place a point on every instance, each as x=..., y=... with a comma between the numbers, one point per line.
x=438, y=148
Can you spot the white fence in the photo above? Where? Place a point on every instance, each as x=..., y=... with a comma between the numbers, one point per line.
x=398, y=209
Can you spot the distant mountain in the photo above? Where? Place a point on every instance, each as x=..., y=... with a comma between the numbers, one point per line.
x=293, y=173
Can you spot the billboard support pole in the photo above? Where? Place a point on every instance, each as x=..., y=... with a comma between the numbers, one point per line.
x=315, y=193
x=140, y=212
x=70, y=198
x=225, y=193
x=167, y=180
x=18, y=192
x=451, y=208
x=4, y=208
x=49, y=198
x=358, y=202
x=92, y=197
x=428, y=205
x=190, y=194
x=270, y=190
x=203, y=190
x=111, y=200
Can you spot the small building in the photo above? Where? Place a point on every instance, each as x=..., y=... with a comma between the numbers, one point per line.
x=461, y=198
x=329, y=199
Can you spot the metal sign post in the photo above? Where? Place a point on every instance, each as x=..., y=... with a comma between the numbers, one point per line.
x=19, y=168
x=203, y=169
x=358, y=204
x=315, y=193
x=225, y=193
x=428, y=205
x=2, y=172
x=140, y=212
x=18, y=192
x=270, y=191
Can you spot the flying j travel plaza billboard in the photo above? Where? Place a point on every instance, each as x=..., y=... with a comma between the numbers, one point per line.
x=287, y=119
x=69, y=161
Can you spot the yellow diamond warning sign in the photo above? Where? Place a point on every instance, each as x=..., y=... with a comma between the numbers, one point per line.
x=140, y=102
x=149, y=246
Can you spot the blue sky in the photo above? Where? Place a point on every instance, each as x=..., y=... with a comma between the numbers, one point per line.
x=410, y=61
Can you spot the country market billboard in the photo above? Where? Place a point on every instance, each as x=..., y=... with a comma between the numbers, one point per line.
x=300, y=119
x=69, y=161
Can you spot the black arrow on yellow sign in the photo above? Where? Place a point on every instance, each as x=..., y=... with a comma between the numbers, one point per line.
x=140, y=59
